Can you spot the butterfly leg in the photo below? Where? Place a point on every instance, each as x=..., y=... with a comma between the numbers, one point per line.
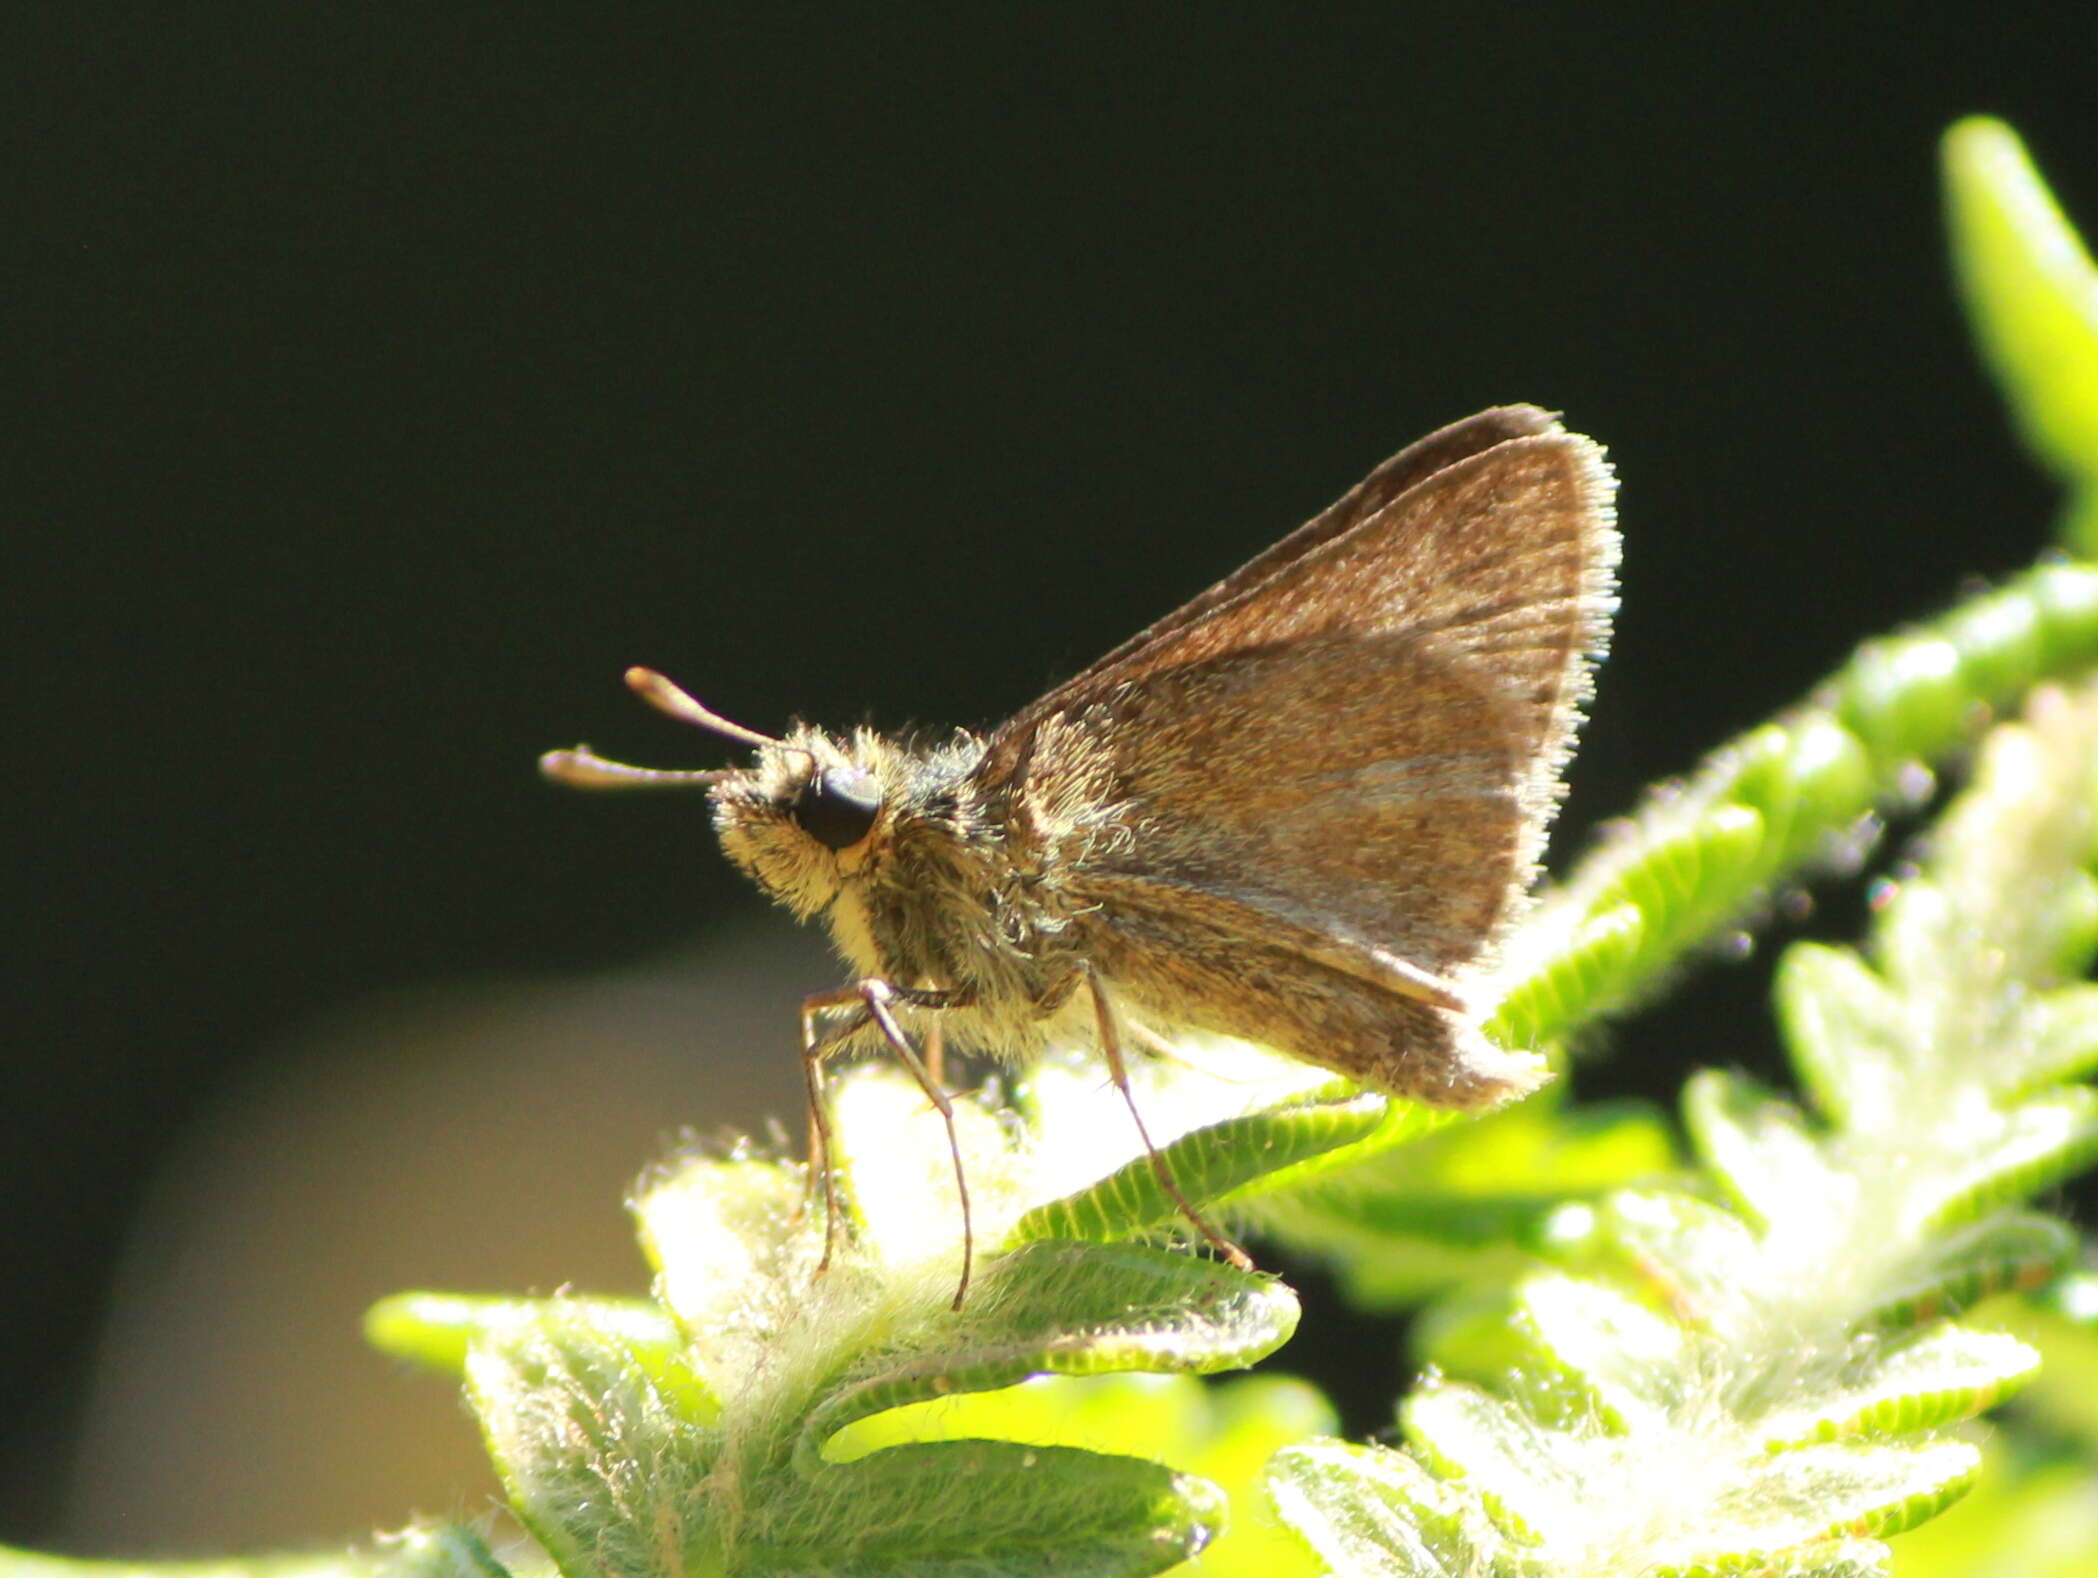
x=936, y=1054
x=876, y=999
x=1118, y=1071
x=813, y=1048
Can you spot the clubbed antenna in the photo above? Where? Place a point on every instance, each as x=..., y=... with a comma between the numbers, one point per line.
x=665, y=697
x=583, y=768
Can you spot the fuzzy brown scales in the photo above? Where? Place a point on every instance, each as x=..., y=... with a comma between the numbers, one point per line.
x=1304, y=809
x=952, y=888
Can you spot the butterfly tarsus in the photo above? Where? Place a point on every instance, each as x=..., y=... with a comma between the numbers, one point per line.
x=875, y=998
x=821, y=1175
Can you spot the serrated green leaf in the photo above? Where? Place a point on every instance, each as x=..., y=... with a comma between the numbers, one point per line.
x=2017, y=1151
x=1845, y=1030
x=2015, y=1249
x=615, y=1471
x=2074, y=925
x=1539, y=1486
x=1799, y=790
x=1371, y=1513
x=1054, y=1307
x=1759, y=1147
x=2002, y=643
x=1845, y=1488
x=2021, y=1520
x=1222, y=1433
x=1698, y=1260
x=1207, y=1165
x=1524, y=1474
x=1687, y=877
x=1819, y=1559
x=964, y=1509
x=2064, y=1029
x=1078, y=1125
x=1559, y=980
x=1816, y=1509
x=1931, y=1379
x=607, y=1475
x=1902, y=688
x=1805, y=785
x=596, y=1461
x=1632, y=1362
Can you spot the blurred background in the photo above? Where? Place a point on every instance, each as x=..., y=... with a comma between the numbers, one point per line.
x=382, y=385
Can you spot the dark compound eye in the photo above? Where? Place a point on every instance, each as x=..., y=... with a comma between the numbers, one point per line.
x=837, y=807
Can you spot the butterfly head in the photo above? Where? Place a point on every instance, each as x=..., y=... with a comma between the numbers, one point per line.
x=803, y=819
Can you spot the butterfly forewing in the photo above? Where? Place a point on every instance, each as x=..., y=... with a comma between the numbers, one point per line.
x=1348, y=755
x=1414, y=464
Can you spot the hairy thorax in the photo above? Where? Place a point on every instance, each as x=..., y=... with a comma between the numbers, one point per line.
x=949, y=888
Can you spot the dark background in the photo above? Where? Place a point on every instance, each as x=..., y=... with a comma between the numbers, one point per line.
x=383, y=385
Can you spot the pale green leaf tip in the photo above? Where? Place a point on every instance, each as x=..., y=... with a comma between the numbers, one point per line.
x=2032, y=294
x=437, y=1330
x=430, y=1329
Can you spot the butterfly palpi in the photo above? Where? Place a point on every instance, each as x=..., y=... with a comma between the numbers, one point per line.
x=1302, y=810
